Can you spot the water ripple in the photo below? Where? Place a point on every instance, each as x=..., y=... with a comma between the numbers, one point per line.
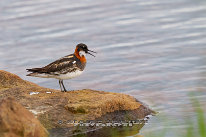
x=153, y=50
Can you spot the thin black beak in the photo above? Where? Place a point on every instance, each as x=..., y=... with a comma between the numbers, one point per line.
x=91, y=53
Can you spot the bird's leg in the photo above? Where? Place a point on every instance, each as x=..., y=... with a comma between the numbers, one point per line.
x=63, y=86
x=60, y=85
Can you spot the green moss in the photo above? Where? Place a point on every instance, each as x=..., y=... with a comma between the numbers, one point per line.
x=81, y=109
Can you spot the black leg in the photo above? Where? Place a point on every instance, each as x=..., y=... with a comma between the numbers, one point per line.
x=63, y=86
x=60, y=85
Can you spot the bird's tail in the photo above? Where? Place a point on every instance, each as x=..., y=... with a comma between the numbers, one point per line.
x=35, y=71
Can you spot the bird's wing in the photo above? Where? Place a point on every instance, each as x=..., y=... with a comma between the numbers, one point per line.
x=62, y=65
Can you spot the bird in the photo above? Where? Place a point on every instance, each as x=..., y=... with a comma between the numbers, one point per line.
x=67, y=67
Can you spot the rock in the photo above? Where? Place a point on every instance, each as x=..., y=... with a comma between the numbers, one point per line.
x=56, y=109
x=8, y=80
x=16, y=121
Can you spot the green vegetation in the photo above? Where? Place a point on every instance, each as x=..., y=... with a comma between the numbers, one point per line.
x=201, y=124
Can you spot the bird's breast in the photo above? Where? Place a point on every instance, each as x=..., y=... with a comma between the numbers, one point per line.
x=80, y=65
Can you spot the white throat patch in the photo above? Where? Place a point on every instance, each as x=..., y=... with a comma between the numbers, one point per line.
x=82, y=53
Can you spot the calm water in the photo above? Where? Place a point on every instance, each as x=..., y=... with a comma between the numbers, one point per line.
x=154, y=50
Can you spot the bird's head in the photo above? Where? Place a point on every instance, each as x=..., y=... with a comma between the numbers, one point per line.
x=82, y=50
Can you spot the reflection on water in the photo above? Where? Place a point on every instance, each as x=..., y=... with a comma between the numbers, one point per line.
x=153, y=50
x=101, y=132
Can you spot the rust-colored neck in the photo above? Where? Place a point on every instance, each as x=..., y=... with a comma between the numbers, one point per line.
x=82, y=59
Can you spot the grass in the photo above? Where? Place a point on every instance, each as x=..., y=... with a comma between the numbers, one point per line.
x=201, y=124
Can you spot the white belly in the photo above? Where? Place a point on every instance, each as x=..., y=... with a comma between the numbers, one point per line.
x=69, y=75
x=60, y=76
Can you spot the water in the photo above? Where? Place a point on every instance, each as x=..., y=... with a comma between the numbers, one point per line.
x=154, y=50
